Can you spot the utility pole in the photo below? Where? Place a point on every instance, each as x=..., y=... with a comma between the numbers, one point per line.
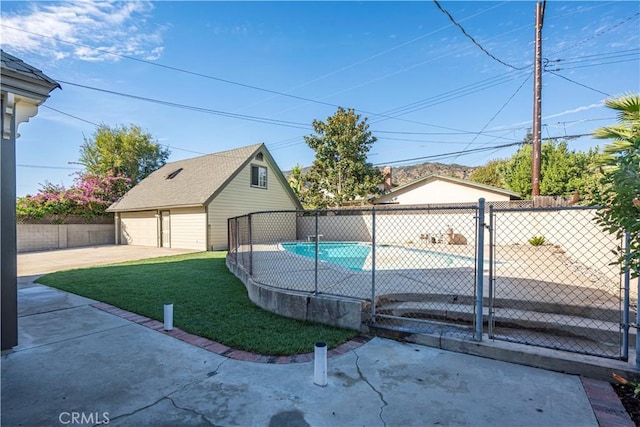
x=537, y=103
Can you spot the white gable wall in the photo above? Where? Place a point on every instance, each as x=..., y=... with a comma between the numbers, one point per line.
x=440, y=192
x=240, y=198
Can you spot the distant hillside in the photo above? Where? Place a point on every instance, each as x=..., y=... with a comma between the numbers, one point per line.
x=404, y=174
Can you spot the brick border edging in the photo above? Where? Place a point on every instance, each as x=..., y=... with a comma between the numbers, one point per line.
x=606, y=404
x=221, y=349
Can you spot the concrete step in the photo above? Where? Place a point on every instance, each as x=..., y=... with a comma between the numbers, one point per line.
x=512, y=322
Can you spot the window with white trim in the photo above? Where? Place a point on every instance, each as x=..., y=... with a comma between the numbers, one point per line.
x=258, y=176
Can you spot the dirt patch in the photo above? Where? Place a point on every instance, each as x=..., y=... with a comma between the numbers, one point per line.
x=631, y=404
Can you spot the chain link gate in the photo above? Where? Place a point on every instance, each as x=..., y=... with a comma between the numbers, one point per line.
x=551, y=283
x=426, y=281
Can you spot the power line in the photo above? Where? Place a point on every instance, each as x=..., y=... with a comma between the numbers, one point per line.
x=475, y=150
x=428, y=102
x=595, y=56
x=97, y=125
x=170, y=67
x=70, y=115
x=452, y=95
x=598, y=34
x=265, y=120
x=228, y=114
x=498, y=112
x=594, y=65
x=579, y=84
x=46, y=167
x=384, y=52
x=470, y=37
x=242, y=84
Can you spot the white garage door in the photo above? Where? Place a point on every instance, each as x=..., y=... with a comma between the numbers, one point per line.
x=189, y=228
x=139, y=228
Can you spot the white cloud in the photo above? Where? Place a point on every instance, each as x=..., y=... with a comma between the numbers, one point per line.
x=101, y=27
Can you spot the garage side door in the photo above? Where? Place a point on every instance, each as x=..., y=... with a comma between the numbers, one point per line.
x=139, y=228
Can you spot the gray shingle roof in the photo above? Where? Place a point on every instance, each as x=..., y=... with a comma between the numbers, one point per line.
x=199, y=179
x=10, y=62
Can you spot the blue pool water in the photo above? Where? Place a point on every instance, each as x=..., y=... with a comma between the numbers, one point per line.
x=355, y=256
x=346, y=254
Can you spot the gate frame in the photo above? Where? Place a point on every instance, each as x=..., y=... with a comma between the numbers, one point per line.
x=623, y=294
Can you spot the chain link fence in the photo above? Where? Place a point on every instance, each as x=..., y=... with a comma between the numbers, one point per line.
x=539, y=276
x=552, y=282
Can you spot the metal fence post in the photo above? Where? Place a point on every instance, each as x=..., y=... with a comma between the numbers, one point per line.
x=638, y=340
x=373, y=264
x=492, y=224
x=479, y=269
x=250, y=245
x=625, y=307
x=237, y=238
x=316, y=256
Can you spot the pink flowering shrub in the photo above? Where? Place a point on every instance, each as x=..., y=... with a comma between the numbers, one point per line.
x=89, y=197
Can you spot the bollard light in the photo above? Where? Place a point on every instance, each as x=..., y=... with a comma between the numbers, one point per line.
x=320, y=364
x=168, y=317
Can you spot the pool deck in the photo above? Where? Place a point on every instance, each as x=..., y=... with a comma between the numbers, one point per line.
x=518, y=277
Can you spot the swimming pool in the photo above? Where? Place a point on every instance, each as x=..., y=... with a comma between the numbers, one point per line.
x=357, y=256
x=351, y=255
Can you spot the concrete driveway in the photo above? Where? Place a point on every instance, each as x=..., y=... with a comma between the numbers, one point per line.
x=34, y=263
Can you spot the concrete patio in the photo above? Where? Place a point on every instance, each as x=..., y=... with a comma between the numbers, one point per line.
x=75, y=360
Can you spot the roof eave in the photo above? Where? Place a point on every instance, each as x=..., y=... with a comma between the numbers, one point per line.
x=21, y=84
x=114, y=208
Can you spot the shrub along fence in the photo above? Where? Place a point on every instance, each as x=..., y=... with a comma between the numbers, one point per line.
x=538, y=276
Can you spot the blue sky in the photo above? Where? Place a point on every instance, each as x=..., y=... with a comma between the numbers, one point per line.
x=426, y=88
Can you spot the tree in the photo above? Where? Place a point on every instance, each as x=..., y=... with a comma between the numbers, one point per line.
x=620, y=195
x=89, y=197
x=122, y=150
x=296, y=180
x=563, y=172
x=340, y=171
x=489, y=174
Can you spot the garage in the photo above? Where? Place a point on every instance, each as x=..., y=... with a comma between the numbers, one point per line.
x=139, y=228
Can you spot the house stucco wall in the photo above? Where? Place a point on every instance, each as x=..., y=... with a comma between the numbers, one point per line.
x=240, y=198
x=438, y=192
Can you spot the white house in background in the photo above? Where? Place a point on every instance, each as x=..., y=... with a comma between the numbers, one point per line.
x=440, y=189
x=186, y=204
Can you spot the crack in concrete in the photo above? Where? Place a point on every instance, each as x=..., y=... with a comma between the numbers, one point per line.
x=379, y=393
x=136, y=411
x=193, y=411
x=168, y=397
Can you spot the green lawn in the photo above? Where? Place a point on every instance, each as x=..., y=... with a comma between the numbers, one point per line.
x=207, y=300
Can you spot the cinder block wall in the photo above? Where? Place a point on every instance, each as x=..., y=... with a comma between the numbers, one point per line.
x=42, y=237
